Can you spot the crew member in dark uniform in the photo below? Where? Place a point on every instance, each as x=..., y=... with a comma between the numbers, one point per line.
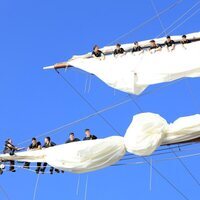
x=48, y=143
x=10, y=148
x=154, y=47
x=118, y=50
x=136, y=48
x=35, y=145
x=88, y=135
x=96, y=53
x=170, y=44
x=72, y=138
x=184, y=41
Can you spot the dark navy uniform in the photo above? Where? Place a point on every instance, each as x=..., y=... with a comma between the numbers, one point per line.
x=92, y=137
x=74, y=140
x=32, y=147
x=10, y=148
x=47, y=145
x=119, y=51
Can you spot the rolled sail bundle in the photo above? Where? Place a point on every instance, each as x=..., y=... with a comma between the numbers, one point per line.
x=133, y=73
x=145, y=134
x=148, y=131
x=77, y=157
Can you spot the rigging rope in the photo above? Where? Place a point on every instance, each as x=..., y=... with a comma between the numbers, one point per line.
x=178, y=19
x=158, y=16
x=187, y=169
x=188, y=18
x=88, y=103
x=4, y=192
x=86, y=187
x=78, y=121
x=146, y=22
x=181, y=162
x=36, y=186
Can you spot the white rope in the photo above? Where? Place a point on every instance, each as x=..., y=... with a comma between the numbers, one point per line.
x=86, y=83
x=36, y=185
x=158, y=160
x=89, y=84
x=188, y=18
x=78, y=120
x=4, y=192
x=146, y=22
x=150, y=176
x=158, y=16
x=178, y=19
x=78, y=184
x=86, y=187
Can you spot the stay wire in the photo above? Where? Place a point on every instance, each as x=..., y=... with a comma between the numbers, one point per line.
x=178, y=19
x=36, y=186
x=146, y=21
x=156, y=170
x=181, y=162
x=4, y=192
x=87, y=102
x=186, y=168
x=158, y=16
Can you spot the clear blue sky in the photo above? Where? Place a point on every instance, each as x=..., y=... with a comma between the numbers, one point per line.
x=38, y=33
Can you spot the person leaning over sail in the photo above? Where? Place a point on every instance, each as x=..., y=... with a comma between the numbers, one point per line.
x=154, y=47
x=184, y=41
x=96, y=53
x=10, y=148
x=118, y=50
x=88, y=135
x=72, y=138
x=48, y=143
x=170, y=44
x=35, y=145
x=137, y=48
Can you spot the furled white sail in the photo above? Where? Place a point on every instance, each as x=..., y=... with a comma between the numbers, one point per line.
x=133, y=73
x=145, y=134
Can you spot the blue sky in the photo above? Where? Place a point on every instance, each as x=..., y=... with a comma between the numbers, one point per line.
x=39, y=33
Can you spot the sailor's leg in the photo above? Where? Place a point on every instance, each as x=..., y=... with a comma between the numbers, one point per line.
x=57, y=170
x=12, y=166
x=51, y=170
x=38, y=168
x=44, y=167
x=26, y=165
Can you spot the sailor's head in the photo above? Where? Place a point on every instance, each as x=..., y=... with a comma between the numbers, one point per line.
x=34, y=141
x=118, y=46
x=184, y=37
x=168, y=38
x=87, y=132
x=47, y=140
x=152, y=42
x=9, y=140
x=95, y=48
x=136, y=43
x=71, y=136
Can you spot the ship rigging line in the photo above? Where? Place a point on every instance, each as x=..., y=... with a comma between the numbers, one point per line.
x=146, y=22
x=164, y=30
x=88, y=103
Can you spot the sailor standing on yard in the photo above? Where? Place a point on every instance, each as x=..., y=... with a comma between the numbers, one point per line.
x=119, y=50
x=170, y=44
x=98, y=54
x=35, y=145
x=154, y=47
x=10, y=148
x=184, y=41
x=88, y=135
x=48, y=143
x=72, y=138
